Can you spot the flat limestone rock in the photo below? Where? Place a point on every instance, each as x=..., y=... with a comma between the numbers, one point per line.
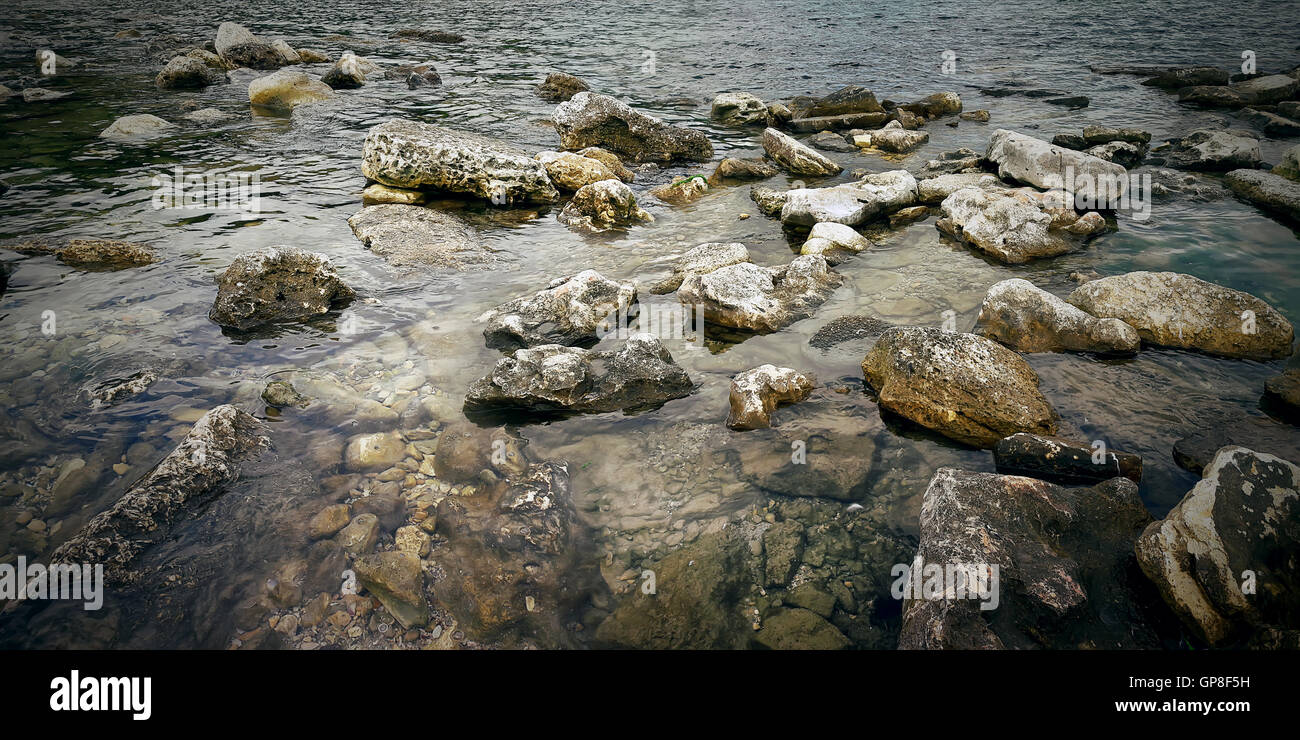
x=1029, y=319
x=414, y=235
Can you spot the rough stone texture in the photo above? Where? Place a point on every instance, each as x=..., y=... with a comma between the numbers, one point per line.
x=756, y=393
x=835, y=242
x=837, y=123
x=1029, y=319
x=1196, y=451
x=397, y=580
x=376, y=194
x=409, y=154
x=959, y=385
x=603, y=205
x=761, y=299
x=555, y=379
x=1289, y=167
x=699, y=260
x=568, y=311
x=240, y=48
x=1210, y=150
x=1272, y=124
x=570, y=172
x=1180, y=77
x=559, y=86
x=610, y=160
x=105, y=254
x=892, y=138
x=1066, y=572
x=1175, y=310
x=783, y=545
x=681, y=191
x=1038, y=163
x=347, y=73
x=1211, y=96
x=957, y=161
x=276, y=284
x=769, y=201
x=795, y=157
x=936, y=189
x=589, y=119
x=936, y=105
x=696, y=588
x=414, y=235
x=1016, y=226
x=128, y=127
x=1268, y=89
x=185, y=72
x=1062, y=460
x=1284, y=391
x=850, y=99
x=799, y=629
x=739, y=109
x=1267, y=190
x=205, y=460
x=854, y=203
x=286, y=90
x=377, y=451
x=1244, y=515
x=847, y=328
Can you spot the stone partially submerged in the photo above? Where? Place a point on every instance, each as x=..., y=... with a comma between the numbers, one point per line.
x=1016, y=225
x=1029, y=319
x=554, y=379
x=874, y=196
x=756, y=393
x=569, y=311
x=1270, y=192
x=570, y=172
x=835, y=242
x=760, y=299
x=410, y=154
x=186, y=72
x=128, y=127
x=276, y=284
x=600, y=206
x=739, y=109
x=1243, y=517
x=559, y=86
x=413, y=235
x=795, y=157
x=699, y=260
x=286, y=89
x=960, y=385
x=1209, y=150
x=589, y=119
x=240, y=48
x=1065, y=577
x=1175, y=310
x=1035, y=162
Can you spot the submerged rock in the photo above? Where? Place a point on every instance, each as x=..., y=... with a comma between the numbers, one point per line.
x=603, y=205
x=699, y=260
x=1209, y=150
x=1066, y=577
x=795, y=157
x=835, y=242
x=1029, y=319
x=830, y=141
x=376, y=194
x=1061, y=460
x=128, y=127
x=397, y=580
x=1267, y=190
x=1243, y=517
x=589, y=119
x=756, y=393
x=761, y=299
x=1175, y=310
x=1016, y=226
x=739, y=109
x=569, y=311
x=1179, y=77
x=847, y=328
x=683, y=191
x=558, y=87
x=286, y=90
x=276, y=284
x=415, y=235
x=799, y=629
x=854, y=203
x=553, y=378
x=960, y=385
x=409, y=154
x=185, y=72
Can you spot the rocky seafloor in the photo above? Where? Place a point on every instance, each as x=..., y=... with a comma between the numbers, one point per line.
x=404, y=493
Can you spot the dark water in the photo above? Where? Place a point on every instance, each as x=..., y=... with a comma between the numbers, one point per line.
x=643, y=484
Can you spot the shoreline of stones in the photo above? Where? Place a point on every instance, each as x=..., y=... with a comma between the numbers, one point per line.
x=973, y=388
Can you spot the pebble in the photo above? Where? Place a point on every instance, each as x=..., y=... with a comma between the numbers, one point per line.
x=121, y=468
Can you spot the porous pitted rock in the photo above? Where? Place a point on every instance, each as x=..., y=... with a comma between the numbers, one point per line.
x=1243, y=517
x=183, y=72
x=1016, y=225
x=1062, y=460
x=760, y=299
x=607, y=204
x=1210, y=150
x=681, y=191
x=1176, y=310
x=847, y=328
x=962, y=386
x=589, y=119
x=105, y=254
x=1267, y=190
x=205, y=460
x=397, y=580
x=1066, y=577
x=570, y=172
x=286, y=89
x=281, y=394
x=1038, y=163
x=1289, y=167
x=414, y=235
x=936, y=105
x=739, y=109
x=756, y=393
x=850, y=99
x=892, y=138
x=854, y=203
x=410, y=154
x=1180, y=77
x=128, y=127
x=744, y=169
x=569, y=311
x=699, y=260
x=836, y=242
x=610, y=160
x=552, y=378
x=276, y=284
x=377, y=451
x=559, y=86
x=1029, y=319
x=936, y=189
x=795, y=157
x=376, y=194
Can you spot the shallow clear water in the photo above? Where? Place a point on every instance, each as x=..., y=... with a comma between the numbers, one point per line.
x=630, y=488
